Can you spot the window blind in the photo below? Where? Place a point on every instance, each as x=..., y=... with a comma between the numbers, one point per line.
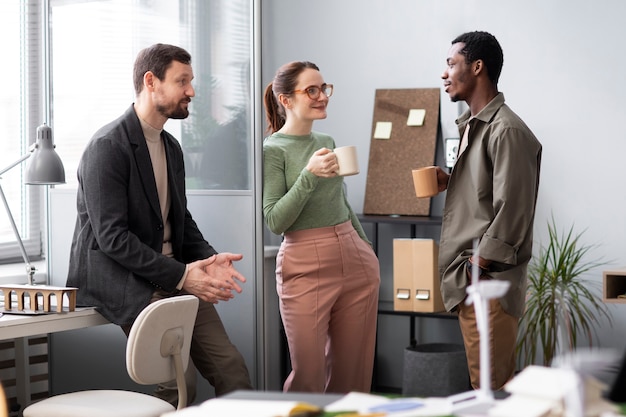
x=21, y=111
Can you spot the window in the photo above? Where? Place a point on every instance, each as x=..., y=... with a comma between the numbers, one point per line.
x=21, y=111
x=94, y=45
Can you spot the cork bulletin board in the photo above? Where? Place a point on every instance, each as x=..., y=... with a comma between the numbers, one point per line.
x=404, y=137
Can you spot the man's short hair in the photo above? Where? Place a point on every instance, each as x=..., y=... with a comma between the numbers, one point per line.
x=157, y=59
x=484, y=46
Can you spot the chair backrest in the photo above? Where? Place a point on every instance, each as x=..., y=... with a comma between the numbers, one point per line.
x=159, y=341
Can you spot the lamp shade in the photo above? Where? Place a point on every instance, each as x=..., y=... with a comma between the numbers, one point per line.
x=45, y=165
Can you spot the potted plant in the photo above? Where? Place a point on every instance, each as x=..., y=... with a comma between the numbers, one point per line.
x=561, y=305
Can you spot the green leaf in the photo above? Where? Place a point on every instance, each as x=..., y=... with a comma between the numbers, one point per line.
x=561, y=305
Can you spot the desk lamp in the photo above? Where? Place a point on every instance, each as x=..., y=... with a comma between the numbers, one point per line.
x=479, y=293
x=45, y=168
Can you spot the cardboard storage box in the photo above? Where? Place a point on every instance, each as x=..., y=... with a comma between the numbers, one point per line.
x=415, y=276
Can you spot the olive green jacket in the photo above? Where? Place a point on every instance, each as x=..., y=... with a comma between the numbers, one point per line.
x=491, y=196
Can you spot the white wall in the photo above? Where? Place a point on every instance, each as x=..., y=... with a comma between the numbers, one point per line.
x=563, y=64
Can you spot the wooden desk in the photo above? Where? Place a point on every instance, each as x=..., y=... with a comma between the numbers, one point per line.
x=20, y=326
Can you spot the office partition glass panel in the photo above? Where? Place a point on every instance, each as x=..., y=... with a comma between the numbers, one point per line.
x=94, y=44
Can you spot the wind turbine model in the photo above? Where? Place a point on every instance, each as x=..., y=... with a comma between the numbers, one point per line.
x=479, y=293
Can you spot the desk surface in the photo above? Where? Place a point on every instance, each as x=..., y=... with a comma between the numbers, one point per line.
x=320, y=400
x=21, y=325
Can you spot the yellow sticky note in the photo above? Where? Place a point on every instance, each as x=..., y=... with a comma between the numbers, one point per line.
x=383, y=130
x=416, y=117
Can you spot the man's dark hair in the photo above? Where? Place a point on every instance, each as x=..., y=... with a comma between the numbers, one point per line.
x=157, y=59
x=484, y=46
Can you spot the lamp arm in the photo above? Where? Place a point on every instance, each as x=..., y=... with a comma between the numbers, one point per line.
x=30, y=269
x=22, y=159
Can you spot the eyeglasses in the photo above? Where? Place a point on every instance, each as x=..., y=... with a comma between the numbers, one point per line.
x=314, y=91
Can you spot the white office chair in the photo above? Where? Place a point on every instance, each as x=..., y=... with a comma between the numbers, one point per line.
x=157, y=351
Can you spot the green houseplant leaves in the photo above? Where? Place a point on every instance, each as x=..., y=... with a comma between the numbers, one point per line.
x=561, y=305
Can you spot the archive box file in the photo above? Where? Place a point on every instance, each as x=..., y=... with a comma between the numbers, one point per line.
x=415, y=276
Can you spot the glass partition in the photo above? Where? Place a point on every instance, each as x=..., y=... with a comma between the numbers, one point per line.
x=94, y=44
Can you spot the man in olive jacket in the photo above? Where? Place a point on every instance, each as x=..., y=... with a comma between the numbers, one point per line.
x=135, y=241
x=491, y=197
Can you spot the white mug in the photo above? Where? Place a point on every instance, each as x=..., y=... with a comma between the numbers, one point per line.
x=347, y=160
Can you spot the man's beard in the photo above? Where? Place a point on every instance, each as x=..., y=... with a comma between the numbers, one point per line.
x=177, y=112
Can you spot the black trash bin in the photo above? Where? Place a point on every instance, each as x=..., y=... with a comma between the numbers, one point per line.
x=435, y=370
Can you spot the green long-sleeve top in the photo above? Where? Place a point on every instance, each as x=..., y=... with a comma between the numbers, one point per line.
x=293, y=197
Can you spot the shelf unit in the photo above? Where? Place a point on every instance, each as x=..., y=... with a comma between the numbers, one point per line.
x=386, y=307
x=413, y=221
x=614, y=286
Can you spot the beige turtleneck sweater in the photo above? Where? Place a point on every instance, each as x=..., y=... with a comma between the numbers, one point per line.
x=156, y=148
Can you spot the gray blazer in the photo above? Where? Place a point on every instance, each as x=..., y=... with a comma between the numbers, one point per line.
x=116, y=259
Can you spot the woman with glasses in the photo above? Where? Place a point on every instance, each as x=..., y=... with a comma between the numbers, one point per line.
x=327, y=275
